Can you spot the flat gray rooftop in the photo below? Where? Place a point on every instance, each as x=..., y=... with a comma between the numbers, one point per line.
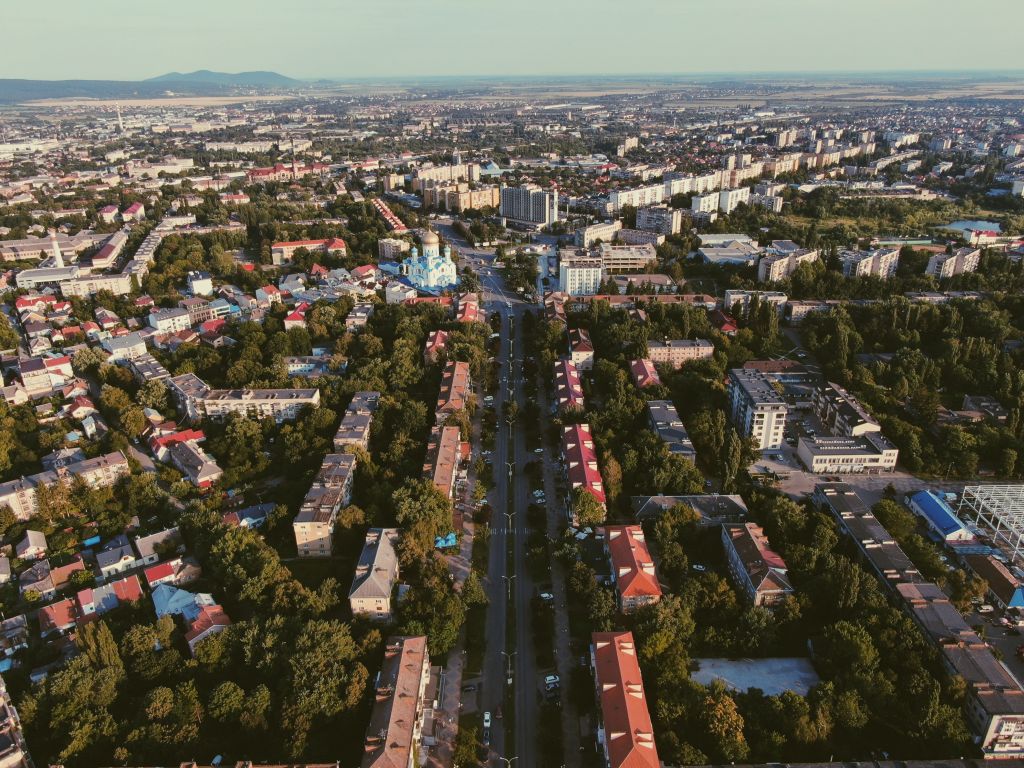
x=773, y=676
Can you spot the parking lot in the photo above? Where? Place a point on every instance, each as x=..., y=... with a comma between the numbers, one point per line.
x=1004, y=640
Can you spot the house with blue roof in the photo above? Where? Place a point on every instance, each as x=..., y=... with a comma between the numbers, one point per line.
x=939, y=516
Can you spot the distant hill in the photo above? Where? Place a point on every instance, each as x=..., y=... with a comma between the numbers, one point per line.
x=239, y=80
x=201, y=83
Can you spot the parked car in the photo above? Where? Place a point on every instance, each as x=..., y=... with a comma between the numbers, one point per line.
x=551, y=682
x=986, y=608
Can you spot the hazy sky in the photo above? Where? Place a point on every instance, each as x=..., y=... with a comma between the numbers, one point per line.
x=59, y=39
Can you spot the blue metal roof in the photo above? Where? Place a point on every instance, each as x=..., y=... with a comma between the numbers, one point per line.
x=938, y=512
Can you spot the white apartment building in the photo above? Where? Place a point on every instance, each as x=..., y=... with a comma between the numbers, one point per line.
x=728, y=199
x=579, y=275
x=445, y=174
x=197, y=400
x=170, y=320
x=757, y=410
x=392, y=249
x=98, y=472
x=704, y=203
x=637, y=197
x=640, y=237
x=775, y=266
x=878, y=263
x=604, y=231
x=771, y=203
x=734, y=296
x=660, y=219
x=529, y=204
x=961, y=261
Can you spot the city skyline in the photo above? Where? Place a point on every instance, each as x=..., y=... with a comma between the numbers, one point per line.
x=346, y=41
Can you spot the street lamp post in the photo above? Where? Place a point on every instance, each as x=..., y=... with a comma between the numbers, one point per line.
x=509, y=656
x=507, y=760
x=508, y=580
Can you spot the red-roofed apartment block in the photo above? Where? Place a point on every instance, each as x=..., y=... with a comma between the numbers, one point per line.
x=455, y=390
x=626, y=732
x=568, y=390
x=636, y=581
x=435, y=346
x=284, y=251
x=581, y=461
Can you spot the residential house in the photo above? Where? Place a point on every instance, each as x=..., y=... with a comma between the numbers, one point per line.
x=58, y=618
x=376, y=575
x=163, y=543
x=32, y=546
x=171, y=601
x=211, y=620
x=581, y=349
x=117, y=557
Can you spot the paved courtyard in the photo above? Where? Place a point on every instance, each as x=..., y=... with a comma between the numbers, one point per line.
x=773, y=676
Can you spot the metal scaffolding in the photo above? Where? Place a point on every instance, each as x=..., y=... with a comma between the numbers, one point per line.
x=1000, y=509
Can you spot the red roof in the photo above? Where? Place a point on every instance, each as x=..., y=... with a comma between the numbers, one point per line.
x=581, y=460
x=297, y=243
x=128, y=589
x=210, y=616
x=568, y=390
x=57, y=616
x=57, y=362
x=723, y=322
x=632, y=564
x=158, y=572
x=184, y=436
x=579, y=340
x=629, y=732
x=644, y=373
x=364, y=271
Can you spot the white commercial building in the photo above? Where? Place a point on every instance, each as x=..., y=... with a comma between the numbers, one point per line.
x=869, y=453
